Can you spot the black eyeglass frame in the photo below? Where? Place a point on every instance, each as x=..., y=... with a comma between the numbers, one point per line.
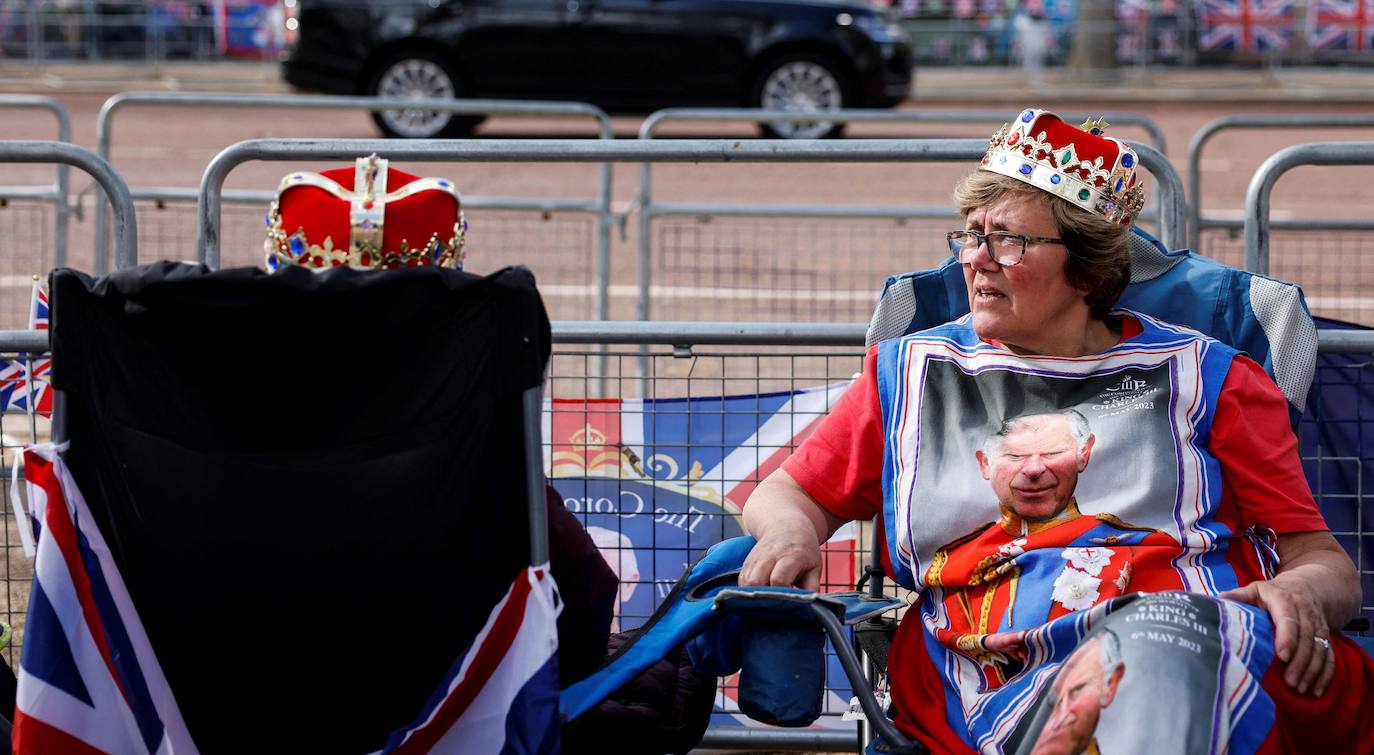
x=986, y=238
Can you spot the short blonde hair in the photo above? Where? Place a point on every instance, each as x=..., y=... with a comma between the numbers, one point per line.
x=1099, y=250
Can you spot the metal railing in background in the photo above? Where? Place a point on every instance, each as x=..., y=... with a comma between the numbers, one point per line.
x=1200, y=222
x=598, y=207
x=20, y=241
x=1328, y=256
x=57, y=194
x=989, y=117
x=688, y=150
x=151, y=32
x=1257, y=221
x=33, y=345
x=110, y=182
x=753, y=243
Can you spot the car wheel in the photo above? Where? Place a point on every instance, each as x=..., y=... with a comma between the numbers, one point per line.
x=801, y=82
x=416, y=76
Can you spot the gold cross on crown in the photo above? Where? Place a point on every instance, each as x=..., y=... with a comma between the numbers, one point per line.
x=1095, y=126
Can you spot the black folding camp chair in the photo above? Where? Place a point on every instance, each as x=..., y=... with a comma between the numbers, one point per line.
x=315, y=486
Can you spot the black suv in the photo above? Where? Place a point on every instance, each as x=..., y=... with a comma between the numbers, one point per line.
x=622, y=55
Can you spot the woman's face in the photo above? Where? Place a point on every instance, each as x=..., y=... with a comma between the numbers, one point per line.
x=1030, y=307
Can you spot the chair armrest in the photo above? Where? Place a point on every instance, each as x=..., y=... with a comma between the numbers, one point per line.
x=832, y=611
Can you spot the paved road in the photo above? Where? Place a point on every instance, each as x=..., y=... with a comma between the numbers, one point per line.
x=730, y=269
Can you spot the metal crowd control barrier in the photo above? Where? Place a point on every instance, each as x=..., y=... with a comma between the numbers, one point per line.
x=600, y=207
x=675, y=338
x=707, y=244
x=33, y=344
x=1199, y=222
x=56, y=194
x=121, y=200
x=557, y=150
x=995, y=118
x=1170, y=187
x=1173, y=211
x=1257, y=223
x=122, y=204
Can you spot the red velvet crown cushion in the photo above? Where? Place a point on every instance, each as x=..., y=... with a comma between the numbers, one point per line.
x=414, y=218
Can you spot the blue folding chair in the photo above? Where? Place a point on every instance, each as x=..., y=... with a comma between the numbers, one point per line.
x=1266, y=318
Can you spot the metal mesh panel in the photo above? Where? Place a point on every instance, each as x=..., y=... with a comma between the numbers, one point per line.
x=27, y=250
x=785, y=269
x=17, y=429
x=559, y=247
x=1334, y=267
x=616, y=477
x=167, y=231
x=1291, y=334
x=1338, y=448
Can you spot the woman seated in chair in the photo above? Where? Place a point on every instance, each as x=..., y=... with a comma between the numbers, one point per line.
x=972, y=440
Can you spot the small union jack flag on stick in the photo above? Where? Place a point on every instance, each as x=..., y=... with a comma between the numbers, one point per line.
x=24, y=381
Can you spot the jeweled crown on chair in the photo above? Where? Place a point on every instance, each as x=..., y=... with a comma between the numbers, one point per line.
x=1080, y=165
x=388, y=219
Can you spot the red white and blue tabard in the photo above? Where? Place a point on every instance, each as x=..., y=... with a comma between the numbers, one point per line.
x=1192, y=449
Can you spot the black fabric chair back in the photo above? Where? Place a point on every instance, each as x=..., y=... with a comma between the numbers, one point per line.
x=313, y=484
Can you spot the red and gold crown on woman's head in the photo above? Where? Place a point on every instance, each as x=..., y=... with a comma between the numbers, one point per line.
x=1079, y=165
x=368, y=216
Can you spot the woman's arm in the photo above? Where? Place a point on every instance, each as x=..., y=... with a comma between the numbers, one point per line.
x=790, y=527
x=1317, y=588
x=1314, y=594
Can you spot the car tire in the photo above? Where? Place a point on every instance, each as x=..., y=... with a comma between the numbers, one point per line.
x=419, y=75
x=801, y=81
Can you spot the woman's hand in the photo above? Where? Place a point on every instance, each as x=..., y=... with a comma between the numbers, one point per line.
x=1315, y=592
x=784, y=559
x=790, y=526
x=1010, y=644
x=1302, y=638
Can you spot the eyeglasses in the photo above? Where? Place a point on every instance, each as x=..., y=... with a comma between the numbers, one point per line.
x=1006, y=248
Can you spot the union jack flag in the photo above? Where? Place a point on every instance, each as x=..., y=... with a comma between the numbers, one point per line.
x=657, y=482
x=501, y=695
x=88, y=678
x=90, y=681
x=1343, y=25
x=1246, y=25
x=24, y=382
